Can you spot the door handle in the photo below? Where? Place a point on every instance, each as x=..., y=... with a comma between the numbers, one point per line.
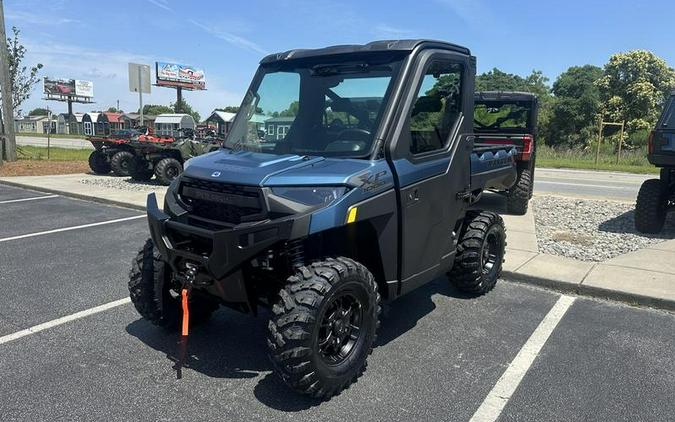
x=414, y=195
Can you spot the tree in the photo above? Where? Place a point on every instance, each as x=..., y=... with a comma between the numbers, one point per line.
x=115, y=110
x=38, y=112
x=634, y=87
x=156, y=109
x=23, y=79
x=229, y=109
x=576, y=106
x=291, y=111
x=184, y=107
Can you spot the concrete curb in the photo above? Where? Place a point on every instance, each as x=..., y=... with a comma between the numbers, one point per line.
x=74, y=195
x=590, y=291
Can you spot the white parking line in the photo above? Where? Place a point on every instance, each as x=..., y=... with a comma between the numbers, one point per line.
x=59, y=321
x=11, y=201
x=500, y=394
x=65, y=229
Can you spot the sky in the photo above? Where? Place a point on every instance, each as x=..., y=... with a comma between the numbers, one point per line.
x=95, y=40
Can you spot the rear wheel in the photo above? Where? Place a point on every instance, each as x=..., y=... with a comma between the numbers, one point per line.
x=518, y=197
x=150, y=289
x=480, y=253
x=121, y=163
x=651, y=206
x=323, y=326
x=167, y=170
x=139, y=169
x=98, y=162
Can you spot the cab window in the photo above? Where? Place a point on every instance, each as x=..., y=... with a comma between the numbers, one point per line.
x=437, y=107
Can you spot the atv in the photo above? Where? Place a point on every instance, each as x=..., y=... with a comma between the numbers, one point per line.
x=164, y=156
x=360, y=196
x=657, y=196
x=113, y=152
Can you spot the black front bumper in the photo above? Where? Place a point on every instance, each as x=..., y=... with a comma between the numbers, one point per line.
x=220, y=252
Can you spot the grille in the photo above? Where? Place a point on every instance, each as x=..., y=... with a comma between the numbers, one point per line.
x=232, y=204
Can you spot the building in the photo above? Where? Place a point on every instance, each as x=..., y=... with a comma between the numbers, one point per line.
x=95, y=124
x=114, y=120
x=222, y=120
x=170, y=124
x=132, y=120
x=69, y=124
x=276, y=128
x=34, y=124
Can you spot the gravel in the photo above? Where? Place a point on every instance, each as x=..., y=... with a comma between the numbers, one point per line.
x=122, y=183
x=591, y=230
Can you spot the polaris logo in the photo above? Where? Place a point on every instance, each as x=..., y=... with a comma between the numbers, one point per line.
x=215, y=174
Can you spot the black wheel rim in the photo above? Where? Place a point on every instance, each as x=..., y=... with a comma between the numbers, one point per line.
x=340, y=329
x=172, y=172
x=491, y=252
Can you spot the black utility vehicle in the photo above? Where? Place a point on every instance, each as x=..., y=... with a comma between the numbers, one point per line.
x=359, y=194
x=510, y=118
x=657, y=196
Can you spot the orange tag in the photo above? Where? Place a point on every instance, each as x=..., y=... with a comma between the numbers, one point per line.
x=186, y=312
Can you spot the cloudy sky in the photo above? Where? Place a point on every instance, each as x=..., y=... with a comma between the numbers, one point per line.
x=95, y=40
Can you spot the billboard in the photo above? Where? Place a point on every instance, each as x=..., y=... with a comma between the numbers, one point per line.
x=53, y=87
x=179, y=75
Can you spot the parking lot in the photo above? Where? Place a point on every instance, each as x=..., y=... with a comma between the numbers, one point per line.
x=72, y=347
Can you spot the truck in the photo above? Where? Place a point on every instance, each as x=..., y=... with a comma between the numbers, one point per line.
x=364, y=197
x=656, y=197
x=510, y=118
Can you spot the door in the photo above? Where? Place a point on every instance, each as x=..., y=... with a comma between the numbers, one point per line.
x=430, y=155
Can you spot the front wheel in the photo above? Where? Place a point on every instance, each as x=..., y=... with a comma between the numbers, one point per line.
x=167, y=170
x=139, y=169
x=480, y=253
x=98, y=162
x=323, y=326
x=120, y=163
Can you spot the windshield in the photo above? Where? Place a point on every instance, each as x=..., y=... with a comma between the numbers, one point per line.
x=668, y=119
x=315, y=108
x=502, y=116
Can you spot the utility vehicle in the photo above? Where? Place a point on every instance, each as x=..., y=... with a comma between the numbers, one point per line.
x=362, y=199
x=657, y=196
x=510, y=118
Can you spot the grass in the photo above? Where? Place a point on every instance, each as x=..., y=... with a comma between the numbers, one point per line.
x=29, y=152
x=634, y=161
x=53, y=135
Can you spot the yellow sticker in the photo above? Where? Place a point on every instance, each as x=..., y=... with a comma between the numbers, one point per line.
x=351, y=216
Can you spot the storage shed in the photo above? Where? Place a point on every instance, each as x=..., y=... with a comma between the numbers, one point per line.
x=95, y=124
x=170, y=124
x=222, y=120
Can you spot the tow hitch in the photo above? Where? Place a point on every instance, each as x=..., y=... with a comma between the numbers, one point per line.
x=187, y=282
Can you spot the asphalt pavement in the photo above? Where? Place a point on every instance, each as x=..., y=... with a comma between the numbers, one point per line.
x=439, y=356
x=589, y=184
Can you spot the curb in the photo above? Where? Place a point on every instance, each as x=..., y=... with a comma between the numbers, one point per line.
x=588, y=291
x=75, y=195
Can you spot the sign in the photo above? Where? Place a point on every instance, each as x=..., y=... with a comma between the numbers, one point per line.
x=67, y=88
x=139, y=78
x=84, y=88
x=179, y=75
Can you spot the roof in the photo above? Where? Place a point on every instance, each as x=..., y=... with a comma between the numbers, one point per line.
x=93, y=116
x=504, y=95
x=31, y=118
x=280, y=119
x=375, y=46
x=137, y=116
x=258, y=118
x=113, y=117
x=223, y=115
x=172, y=118
x=78, y=117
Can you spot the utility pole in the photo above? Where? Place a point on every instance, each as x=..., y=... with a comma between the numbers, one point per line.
x=6, y=89
x=140, y=95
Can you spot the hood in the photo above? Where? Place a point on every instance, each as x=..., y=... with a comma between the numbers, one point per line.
x=260, y=169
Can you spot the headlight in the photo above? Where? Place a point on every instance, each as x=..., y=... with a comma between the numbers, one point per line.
x=311, y=195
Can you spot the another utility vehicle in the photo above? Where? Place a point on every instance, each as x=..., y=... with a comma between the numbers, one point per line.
x=113, y=152
x=510, y=118
x=657, y=196
x=363, y=198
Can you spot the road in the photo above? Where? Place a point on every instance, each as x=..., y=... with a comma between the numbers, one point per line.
x=589, y=184
x=518, y=353
x=70, y=143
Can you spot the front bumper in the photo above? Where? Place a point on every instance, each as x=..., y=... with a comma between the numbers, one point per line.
x=218, y=253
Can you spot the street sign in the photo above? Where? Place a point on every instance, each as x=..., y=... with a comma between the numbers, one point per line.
x=139, y=78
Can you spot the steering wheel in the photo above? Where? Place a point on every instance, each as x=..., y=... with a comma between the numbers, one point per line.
x=360, y=134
